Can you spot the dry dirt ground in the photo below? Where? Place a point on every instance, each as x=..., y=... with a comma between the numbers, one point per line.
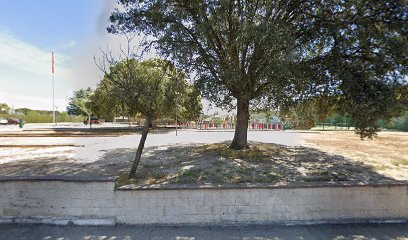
x=387, y=154
x=322, y=157
x=326, y=156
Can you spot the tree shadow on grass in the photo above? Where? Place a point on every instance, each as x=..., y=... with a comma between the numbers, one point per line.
x=207, y=164
x=264, y=163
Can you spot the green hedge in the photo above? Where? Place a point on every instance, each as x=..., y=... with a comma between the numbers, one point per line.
x=33, y=117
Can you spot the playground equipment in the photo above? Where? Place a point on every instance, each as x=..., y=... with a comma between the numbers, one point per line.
x=204, y=125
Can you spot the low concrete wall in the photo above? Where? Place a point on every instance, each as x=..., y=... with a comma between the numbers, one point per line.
x=66, y=201
x=57, y=200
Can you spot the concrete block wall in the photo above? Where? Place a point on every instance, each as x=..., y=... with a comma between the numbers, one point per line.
x=57, y=201
x=263, y=205
x=96, y=202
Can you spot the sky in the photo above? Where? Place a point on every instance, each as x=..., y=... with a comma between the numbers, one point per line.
x=74, y=29
x=30, y=30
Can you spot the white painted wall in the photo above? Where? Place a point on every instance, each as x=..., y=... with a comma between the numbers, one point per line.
x=82, y=202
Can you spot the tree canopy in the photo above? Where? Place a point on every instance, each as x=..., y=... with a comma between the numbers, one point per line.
x=77, y=103
x=4, y=108
x=154, y=88
x=281, y=53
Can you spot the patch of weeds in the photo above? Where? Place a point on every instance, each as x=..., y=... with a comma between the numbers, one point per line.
x=189, y=176
x=245, y=171
x=325, y=176
x=248, y=175
x=147, y=166
x=269, y=177
x=257, y=152
x=272, y=178
x=382, y=167
x=123, y=179
x=219, y=163
x=153, y=177
x=400, y=162
x=265, y=179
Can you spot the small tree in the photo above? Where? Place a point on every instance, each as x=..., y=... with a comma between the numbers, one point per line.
x=150, y=88
x=4, y=108
x=82, y=103
x=73, y=108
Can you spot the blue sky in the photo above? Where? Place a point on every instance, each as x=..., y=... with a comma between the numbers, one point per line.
x=74, y=29
x=30, y=29
x=47, y=23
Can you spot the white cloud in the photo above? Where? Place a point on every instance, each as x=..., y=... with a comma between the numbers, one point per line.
x=25, y=74
x=22, y=56
x=21, y=101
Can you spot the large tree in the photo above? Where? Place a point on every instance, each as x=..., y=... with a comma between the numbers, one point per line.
x=280, y=53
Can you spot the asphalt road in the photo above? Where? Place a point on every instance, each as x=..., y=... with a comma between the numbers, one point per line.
x=264, y=232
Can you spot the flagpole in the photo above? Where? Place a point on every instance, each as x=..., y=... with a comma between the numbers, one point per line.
x=53, y=92
x=53, y=101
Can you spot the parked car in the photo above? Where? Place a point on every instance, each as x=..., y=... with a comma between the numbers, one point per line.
x=13, y=121
x=3, y=121
x=94, y=120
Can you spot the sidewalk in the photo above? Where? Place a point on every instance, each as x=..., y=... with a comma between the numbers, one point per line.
x=264, y=232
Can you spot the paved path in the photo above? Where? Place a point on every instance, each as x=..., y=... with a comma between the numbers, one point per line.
x=92, y=148
x=334, y=232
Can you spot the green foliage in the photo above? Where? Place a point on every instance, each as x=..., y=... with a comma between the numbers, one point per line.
x=281, y=54
x=4, y=108
x=191, y=106
x=105, y=104
x=305, y=115
x=79, y=101
x=370, y=101
x=35, y=116
x=153, y=88
x=398, y=123
x=26, y=111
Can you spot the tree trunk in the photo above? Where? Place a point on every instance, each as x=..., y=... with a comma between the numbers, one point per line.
x=135, y=164
x=90, y=122
x=241, y=129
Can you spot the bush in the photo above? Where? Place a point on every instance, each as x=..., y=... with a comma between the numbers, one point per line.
x=35, y=117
